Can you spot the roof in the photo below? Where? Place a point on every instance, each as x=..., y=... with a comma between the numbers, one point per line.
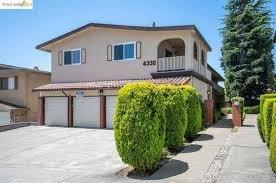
x=6, y=106
x=4, y=66
x=213, y=71
x=111, y=84
x=112, y=26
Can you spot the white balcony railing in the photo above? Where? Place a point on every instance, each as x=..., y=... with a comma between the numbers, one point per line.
x=179, y=63
x=171, y=63
x=200, y=69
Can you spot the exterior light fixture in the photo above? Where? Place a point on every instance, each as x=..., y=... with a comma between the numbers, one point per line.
x=100, y=92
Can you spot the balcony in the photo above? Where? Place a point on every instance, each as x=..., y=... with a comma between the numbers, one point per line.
x=171, y=57
x=178, y=63
x=199, y=68
x=171, y=63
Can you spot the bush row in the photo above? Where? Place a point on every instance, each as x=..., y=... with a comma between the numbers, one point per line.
x=273, y=140
x=150, y=117
x=262, y=99
x=266, y=121
x=251, y=110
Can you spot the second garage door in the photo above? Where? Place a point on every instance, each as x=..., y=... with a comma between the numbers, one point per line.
x=86, y=112
x=56, y=111
x=110, y=110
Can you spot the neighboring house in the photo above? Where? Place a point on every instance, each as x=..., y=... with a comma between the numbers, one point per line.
x=91, y=63
x=17, y=101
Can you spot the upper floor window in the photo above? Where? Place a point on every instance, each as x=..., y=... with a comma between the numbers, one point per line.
x=8, y=83
x=195, y=51
x=202, y=57
x=124, y=51
x=72, y=57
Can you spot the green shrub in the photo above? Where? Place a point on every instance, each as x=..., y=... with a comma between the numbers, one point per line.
x=259, y=124
x=194, y=111
x=252, y=110
x=176, y=115
x=217, y=115
x=267, y=116
x=273, y=140
x=140, y=125
x=262, y=99
x=226, y=110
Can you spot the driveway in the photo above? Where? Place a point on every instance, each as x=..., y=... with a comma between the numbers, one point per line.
x=55, y=154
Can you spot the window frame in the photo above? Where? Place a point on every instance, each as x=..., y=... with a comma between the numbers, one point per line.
x=71, y=50
x=125, y=43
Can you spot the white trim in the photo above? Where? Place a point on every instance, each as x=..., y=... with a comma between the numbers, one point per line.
x=128, y=59
x=76, y=49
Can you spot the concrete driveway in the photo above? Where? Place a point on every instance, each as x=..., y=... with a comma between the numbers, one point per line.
x=55, y=154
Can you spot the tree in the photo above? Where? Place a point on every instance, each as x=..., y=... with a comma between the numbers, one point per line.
x=247, y=49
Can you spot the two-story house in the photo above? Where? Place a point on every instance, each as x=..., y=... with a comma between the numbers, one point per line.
x=91, y=63
x=17, y=101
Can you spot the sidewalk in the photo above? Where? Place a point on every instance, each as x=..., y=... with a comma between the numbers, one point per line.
x=248, y=160
x=221, y=154
x=193, y=163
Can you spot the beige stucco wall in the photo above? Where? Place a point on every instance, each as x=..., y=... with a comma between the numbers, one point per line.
x=23, y=95
x=95, y=41
x=201, y=87
x=34, y=80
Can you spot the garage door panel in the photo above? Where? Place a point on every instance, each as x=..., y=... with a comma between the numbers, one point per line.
x=56, y=111
x=110, y=110
x=86, y=112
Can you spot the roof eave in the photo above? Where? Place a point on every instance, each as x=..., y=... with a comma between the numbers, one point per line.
x=141, y=28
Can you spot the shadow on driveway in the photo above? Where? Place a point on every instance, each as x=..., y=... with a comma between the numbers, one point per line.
x=176, y=167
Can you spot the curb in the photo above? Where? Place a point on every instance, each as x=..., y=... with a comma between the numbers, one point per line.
x=16, y=125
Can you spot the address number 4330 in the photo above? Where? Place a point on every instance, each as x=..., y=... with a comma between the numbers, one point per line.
x=149, y=63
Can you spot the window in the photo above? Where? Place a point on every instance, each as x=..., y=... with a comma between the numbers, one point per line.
x=8, y=83
x=4, y=83
x=202, y=57
x=195, y=51
x=72, y=57
x=124, y=51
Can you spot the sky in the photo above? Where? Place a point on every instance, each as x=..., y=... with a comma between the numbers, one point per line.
x=22, y=30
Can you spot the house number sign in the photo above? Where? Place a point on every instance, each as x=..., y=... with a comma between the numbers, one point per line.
x=149, y=62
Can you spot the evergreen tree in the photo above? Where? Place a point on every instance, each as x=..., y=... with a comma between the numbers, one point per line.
x=247, y=49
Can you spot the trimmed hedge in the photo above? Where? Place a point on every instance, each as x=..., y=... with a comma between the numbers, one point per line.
x=262, y=99
x=194, y=111
x=140, y=125
x=267, y=119
x=252, y=110
x=259, y=125
x=176, y=115
x=273, y=140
